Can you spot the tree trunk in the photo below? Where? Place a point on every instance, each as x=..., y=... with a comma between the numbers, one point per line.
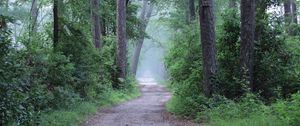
x=122, y=44
x=294, y=12
x=96, y=31
x=207, y=26
x=103, y=27
x=192, y=10
x=34, y=15
x=247, y=39
x=56, y=27
x=287, y=11
x=144, y=17
x=2, y=19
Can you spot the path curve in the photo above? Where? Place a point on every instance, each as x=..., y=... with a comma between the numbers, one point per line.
x=147, y=110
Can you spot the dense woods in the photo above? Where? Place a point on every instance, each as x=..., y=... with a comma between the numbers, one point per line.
x=228, y=62
x=251, y=76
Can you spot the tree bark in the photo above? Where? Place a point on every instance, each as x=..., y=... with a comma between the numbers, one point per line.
x=294, y=12
x=207, y=26
x=95, y=17
x=121, y=35
x=247, y=40
x=192, y=10
x=34, y=15
x=56, y=27
x=144, y=17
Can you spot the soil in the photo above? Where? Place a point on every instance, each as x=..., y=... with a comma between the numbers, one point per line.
x=147, y=110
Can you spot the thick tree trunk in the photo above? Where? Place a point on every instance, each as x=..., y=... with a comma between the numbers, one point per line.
x=207, y=26
x=121, y=35
x=34, y=15
x=247, y=39
x=144, y=17
x=192, y=10
x=294, y=12
x=96, y=31
x=56, y=27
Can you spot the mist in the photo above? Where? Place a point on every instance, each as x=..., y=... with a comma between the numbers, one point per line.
x=151, y=62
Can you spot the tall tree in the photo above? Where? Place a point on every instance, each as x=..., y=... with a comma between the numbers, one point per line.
x=287, y=11
x=294, y=12
x=247, y=39
x=207, y=26
x=34, y=15
x=56, y=26
x=121, y=37
x=95, y=17
x=144, y=17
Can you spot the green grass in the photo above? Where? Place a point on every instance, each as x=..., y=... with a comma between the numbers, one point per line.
x=253, y=120
x=82, y=110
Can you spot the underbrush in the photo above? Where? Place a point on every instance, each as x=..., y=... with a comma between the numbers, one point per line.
x=81, y=110
x=247, y=111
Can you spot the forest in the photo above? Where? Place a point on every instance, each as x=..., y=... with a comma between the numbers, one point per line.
x=149, y=62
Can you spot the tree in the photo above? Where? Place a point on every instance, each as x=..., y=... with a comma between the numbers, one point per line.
x=121, y=37
x=294, y=12
x=207, y=26
x=247, y=39
x=96, y=31
x=287, y=11
x=144, y=17
x=56, y=27
x=34, y=15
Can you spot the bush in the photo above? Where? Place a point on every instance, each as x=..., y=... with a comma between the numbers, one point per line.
x=289, y=110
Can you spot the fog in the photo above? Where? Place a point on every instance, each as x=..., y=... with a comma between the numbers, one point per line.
x=151, y=63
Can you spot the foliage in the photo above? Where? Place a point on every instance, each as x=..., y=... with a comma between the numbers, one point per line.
x=250, y=111
x=78, y=112
x=37, y=79
x=276, y=72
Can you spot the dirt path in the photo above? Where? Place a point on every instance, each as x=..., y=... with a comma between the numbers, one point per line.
x=147, y=110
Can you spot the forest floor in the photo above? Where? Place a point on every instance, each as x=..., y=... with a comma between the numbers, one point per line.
x=147, y=110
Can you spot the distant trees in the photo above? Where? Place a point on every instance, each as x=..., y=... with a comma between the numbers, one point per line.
x=247, y=39
x=121, y=38
x=207, y=26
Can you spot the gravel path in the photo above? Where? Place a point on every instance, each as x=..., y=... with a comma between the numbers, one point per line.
x=147, y=110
